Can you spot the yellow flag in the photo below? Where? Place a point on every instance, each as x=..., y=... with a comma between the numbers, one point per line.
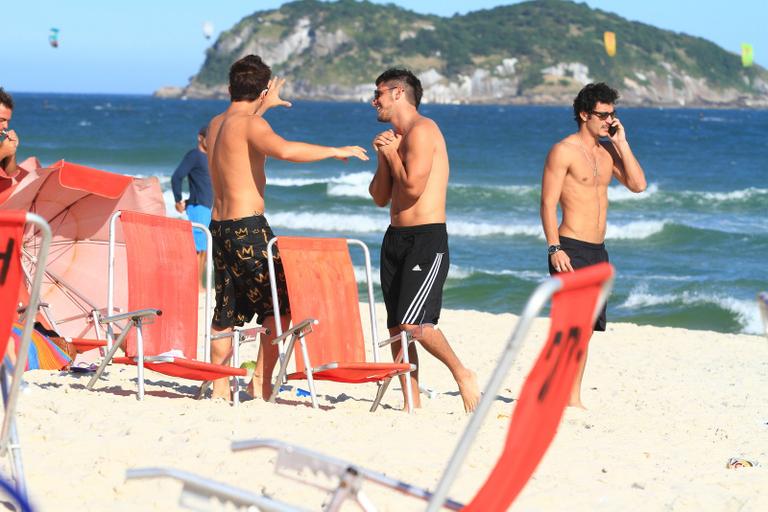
x=610, y=43
x=747, y=54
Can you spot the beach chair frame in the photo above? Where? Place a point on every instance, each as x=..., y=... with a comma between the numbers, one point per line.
x=286, y=340
x=135, y=319
x=350, y=476
x=10, y=385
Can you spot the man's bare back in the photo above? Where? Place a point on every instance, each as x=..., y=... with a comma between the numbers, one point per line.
x=237, y=172
x=240, y=141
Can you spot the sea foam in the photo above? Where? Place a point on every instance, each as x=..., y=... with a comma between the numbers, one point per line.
x=745, y=311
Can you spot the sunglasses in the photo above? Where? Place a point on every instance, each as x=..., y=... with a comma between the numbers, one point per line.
x=604, y=115
x=378, y=92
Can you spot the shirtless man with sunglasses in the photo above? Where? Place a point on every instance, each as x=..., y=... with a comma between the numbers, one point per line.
x=576, y=176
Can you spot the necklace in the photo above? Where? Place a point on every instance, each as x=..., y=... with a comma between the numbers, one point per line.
x=592, y=160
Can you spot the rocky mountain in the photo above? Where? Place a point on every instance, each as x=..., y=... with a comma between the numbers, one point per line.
x=538, y=52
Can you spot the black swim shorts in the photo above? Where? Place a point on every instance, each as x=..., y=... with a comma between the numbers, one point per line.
x=414, y=265
x=241, y=272
x=584, y=254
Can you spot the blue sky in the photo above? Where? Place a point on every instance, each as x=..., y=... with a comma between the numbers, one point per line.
x=138, y=46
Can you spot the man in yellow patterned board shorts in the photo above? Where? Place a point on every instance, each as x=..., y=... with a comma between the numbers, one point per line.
x=239, y=141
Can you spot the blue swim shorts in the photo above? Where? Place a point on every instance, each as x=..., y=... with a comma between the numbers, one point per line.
x=202, y=215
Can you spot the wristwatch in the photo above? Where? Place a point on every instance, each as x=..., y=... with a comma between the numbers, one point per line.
x=552, y=249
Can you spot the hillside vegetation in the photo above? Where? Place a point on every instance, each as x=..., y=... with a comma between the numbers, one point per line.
x=537, y=51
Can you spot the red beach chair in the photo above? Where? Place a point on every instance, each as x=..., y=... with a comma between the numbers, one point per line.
x=577, y=298
x=162, y=330
x=322, y=292
x=12, y=226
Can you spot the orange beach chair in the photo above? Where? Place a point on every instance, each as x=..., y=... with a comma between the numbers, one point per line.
x=322, y=292
x=162, y=330
x=577, y=298
x=12, y=226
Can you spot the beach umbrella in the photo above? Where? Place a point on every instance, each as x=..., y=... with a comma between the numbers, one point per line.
x=44, y=354
x=77, y=202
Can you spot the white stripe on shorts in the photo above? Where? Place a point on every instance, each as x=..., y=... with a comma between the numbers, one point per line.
x=411, y=314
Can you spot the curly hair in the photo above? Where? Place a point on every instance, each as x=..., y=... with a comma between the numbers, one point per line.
x=591, y=95
x=408, y=80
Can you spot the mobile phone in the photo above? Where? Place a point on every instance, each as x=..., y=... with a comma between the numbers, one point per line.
x=3, y=135
x=612, y=130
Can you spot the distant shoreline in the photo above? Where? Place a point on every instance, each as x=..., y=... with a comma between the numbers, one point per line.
x=513, y=103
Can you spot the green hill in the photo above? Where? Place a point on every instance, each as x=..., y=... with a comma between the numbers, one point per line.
x=539, y=51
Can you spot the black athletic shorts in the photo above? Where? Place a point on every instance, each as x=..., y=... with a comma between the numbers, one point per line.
x=241, y=272
x=414, y=265
x=584, y=254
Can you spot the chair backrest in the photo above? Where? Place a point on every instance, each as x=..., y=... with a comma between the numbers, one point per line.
x=547, y=388
x=321, y=285
x=162, y=274
x=11, y=239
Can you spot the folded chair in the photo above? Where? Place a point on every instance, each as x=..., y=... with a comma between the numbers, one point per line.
x=322, y=292
x=12, y=225
x=162, y=322
x=762, y=303
x=577, y=298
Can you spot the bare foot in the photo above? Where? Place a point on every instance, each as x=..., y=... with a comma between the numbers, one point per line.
x=219, y=395
x=469, y=390
x=576, y=403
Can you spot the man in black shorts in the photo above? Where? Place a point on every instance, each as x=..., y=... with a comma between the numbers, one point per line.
x=412, y=176
x=576, y=176
x=239, y=141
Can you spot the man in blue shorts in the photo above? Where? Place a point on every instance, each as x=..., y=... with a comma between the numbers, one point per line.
x=198, y=205
x=412, y=177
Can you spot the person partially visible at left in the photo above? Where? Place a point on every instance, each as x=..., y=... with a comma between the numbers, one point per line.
x=9, y=141
x=194, y=167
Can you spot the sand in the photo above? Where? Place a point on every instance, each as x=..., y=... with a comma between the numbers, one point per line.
x=666, y=410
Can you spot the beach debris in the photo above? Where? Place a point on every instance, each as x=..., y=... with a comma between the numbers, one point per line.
x=609, y=38
x=736, y=462
x=747, y=55
x=53, y=37
x=207, y=29
x=302, y=392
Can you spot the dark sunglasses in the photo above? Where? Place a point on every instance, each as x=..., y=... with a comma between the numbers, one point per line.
x=378, y=92
x=604, y=115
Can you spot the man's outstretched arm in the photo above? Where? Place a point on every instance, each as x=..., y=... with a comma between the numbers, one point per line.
x=266, y=141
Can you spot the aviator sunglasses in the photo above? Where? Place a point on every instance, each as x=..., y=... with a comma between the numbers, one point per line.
x=604, y=115
x=378, y=92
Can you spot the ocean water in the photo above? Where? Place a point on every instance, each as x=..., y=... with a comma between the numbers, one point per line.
x=690, y=251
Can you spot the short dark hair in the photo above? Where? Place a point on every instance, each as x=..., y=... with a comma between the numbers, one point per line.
x=203, y=131
x=5, y=99
x=247, y=78
x=591, y=95
x=408, y=80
